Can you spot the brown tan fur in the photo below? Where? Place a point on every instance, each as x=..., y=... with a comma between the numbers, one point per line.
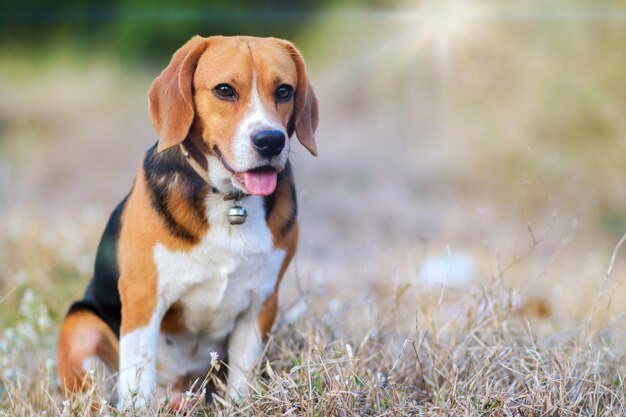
x=84, y=335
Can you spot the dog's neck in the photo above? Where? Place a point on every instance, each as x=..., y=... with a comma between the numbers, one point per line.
x=197, y=161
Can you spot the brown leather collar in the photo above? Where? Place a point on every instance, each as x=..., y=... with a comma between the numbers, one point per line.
x=197, y=162
x=193, y=161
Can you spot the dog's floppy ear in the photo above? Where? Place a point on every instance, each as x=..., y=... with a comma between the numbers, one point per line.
x=171, y=100
x=305, y=112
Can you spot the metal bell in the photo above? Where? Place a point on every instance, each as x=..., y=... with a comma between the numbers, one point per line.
x=237, y=215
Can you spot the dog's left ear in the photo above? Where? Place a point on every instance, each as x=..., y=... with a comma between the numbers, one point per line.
x=171, y=95
x=305, y=113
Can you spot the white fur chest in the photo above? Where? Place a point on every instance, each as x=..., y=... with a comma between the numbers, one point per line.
x=232, y=268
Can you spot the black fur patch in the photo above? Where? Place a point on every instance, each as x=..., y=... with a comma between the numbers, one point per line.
x=269, y=202
x=168, y=171
x=291, y=221
x=102, y=296
x=78, y=306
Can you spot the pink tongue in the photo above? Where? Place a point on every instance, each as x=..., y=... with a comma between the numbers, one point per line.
x=260, y=182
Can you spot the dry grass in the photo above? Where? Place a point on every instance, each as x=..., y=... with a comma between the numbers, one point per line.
x=477, y=352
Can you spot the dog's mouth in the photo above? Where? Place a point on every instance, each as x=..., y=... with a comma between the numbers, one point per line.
x=258, y=181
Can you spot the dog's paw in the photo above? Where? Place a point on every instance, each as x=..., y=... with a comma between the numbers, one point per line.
x=235, y=396
x=237, y=392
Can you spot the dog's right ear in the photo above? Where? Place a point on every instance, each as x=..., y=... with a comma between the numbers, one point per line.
x=306, y=113
x=171, y=95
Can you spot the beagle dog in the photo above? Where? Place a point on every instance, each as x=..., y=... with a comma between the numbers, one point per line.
x=174, y=280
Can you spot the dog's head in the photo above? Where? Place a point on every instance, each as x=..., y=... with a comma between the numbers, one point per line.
x=243, y=97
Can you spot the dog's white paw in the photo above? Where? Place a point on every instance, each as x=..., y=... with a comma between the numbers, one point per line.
x=238, y=390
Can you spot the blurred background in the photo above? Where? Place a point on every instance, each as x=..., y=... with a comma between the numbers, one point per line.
x=460, y=141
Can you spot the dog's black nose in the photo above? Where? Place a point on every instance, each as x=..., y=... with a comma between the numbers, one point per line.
x=269, y=143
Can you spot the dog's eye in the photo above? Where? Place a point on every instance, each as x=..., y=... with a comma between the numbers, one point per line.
x=225, y=92
x=284, y=92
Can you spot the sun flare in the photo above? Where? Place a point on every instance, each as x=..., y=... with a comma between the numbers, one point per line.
x=445, y=19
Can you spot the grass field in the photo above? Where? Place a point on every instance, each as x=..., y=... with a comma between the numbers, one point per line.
x=484, y=351
x=460, y=232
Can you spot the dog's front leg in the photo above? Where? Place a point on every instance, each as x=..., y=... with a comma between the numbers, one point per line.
x=244, y=348
x=142, y=312
x=137, y=376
